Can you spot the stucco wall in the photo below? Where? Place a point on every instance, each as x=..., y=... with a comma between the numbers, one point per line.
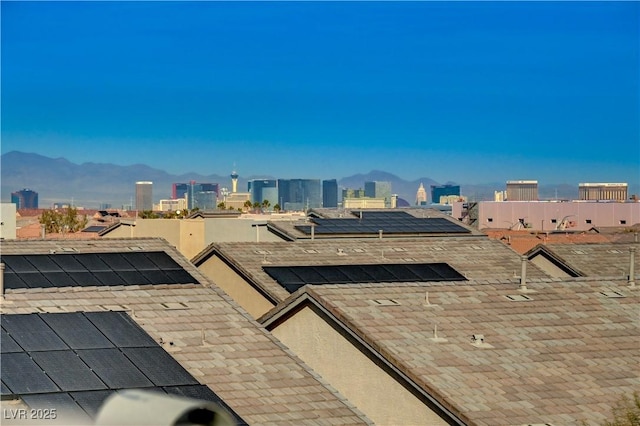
x=8, y=219
x=236, y=287
x=379, y=396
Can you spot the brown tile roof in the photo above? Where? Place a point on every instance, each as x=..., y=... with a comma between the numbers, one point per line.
x=563, y=357
x=600, y=259
x=523, y=241
x=474, y=257
x=244, y=364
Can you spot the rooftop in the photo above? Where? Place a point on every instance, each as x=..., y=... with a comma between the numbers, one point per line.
x=563, y=354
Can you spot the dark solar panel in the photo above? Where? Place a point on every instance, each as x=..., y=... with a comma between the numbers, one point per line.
x=141, y=261
x=159, y=366
x=4, y=390
x=91, y=401
x=93, y=269
x=7, y=344
x=120, y=329
x=60, y=404
x=32, y=333
x=162, y=260
x=94, y=228
x=13, y=280
x=68, y=262
x=67, y=370
x=114, y=369
x=294, y=277
x=23, y=376
x=387, y=222
x=77, y=331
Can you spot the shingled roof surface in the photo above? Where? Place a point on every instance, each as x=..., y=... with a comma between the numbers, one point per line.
x=473, y=257
x=565, y=356
x=601, y=259
x=240, y=361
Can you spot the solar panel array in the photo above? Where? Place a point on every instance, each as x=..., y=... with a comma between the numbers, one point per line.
x=92, y=269
x=387, y=222
x=294, y=277
x=72, y=362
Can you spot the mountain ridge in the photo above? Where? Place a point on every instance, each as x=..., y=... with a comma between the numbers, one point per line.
x=91, y=184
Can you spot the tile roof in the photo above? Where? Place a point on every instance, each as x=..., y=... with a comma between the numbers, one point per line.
x=239, y=360
x=563, y=357
x=474, y=257
x=601, y=259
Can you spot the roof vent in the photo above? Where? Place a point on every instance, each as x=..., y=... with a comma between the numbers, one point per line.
x=435, y=337
x=174, y=305
x=399, y=249
x=340, y=252
x=386, y=302
x=578, y=252
x=311, y=251
x=477, y=340
x=518, y=297
x=359, y=250
x=437, y=248
x=612, y=294
x=262, y=252
x=115, y=307
x=68, y=249
x=426, y=303
x=135, y=248
x=52, y=309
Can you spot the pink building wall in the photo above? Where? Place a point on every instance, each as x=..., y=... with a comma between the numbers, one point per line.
x=583, y=215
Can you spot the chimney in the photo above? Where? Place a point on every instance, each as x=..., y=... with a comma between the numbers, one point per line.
x=523, y=273
x=632, y=269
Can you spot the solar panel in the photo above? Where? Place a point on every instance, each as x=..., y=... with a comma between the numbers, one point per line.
x=32, y=333
x=35, y=280
x=17, y=263
x=159, y=366
x=294, y=277
x=68, y=262
x=61, y=279
x=7, y=344
x=180, y=276
x=109, y=278
x=13, y=280
x=162, y=260
x=116, y=261
x=91, y=401
x=92, y=262
x=114, y=369
x=388, y=222
x=61, y=402
x=140, y=261
x=85, y=278
x=120, y=329
x=67, y=370
x=23, y=376
x=43, y=263
x=4, y=390
x=76, y=330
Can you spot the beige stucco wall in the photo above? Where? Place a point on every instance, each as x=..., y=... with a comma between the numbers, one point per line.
x=361, y=381
x=236, y=287
x=547, y=266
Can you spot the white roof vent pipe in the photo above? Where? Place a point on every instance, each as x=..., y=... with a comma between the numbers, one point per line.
x=632, y=266
x=523, y=275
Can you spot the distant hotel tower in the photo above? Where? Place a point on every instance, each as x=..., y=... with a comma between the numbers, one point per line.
x=522, y=190
x=330, y=193
x=144, y=196
x=25, y=199
x=234, y=181
x=421, y=196
x=603, y=191
x=438, y=191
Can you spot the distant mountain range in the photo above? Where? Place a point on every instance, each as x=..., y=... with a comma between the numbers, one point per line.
x=57, y=180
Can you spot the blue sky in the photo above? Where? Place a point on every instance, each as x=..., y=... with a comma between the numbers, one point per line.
x=466, y=92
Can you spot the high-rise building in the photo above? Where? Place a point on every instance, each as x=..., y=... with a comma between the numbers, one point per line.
x=299, y=194
x=378, y=189
x=263, y=189
x=234, y=181
x=144, y=195
x=522, y=190
x=445, y=191
x=330, y=193
x=421, y=196
x=352, y=193
x=603, y=191
x=204, y=196
x=25, y=199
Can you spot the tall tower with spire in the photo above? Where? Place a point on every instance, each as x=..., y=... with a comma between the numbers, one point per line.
x=234, y=181
x=421, y=195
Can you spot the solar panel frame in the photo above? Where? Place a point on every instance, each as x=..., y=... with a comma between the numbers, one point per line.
x=67, y=370
x=32, y=333
x=160, y=367
x=63, y=404
x=120, y=329
x=23, y=376
x=4, y=390
x=114, y=369
x=7, y=344
x=77, y=331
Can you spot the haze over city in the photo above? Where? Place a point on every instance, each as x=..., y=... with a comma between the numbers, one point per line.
x=465, y=92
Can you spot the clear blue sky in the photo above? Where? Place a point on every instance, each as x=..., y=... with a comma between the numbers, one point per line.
x=467, y=92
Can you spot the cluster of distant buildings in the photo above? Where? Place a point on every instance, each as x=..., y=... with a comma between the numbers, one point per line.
x=286, y=194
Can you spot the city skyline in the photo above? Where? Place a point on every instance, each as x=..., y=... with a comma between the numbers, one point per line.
x=464, y=92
